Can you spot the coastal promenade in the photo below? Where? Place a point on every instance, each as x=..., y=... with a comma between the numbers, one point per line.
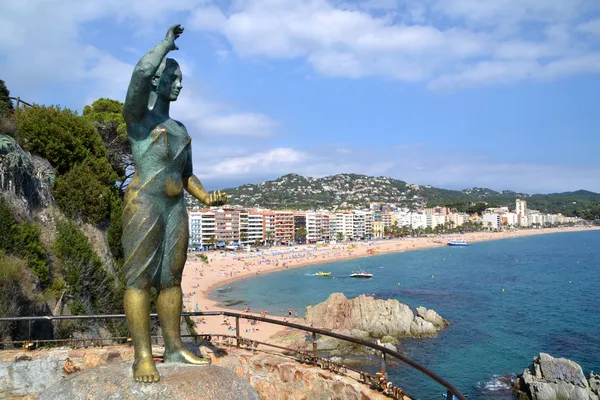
x=226, y=267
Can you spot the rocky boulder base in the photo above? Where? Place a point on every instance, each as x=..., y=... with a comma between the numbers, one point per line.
x=365, y=317
x=549, y=378
x=178, y=382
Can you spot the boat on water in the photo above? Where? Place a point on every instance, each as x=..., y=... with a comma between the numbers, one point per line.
x=321, y=273
x=458, y=242
x=360, y=274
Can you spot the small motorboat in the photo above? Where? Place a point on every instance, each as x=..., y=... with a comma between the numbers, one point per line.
x=321, y=273
x=360, y=274
x=458, y=242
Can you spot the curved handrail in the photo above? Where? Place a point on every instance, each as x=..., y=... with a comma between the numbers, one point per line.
x=450, y=387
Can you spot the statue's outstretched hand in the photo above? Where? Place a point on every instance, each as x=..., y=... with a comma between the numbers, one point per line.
x=217, y=198
x=173, y=33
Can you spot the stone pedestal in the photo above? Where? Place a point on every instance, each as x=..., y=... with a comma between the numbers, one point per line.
x=178, y=382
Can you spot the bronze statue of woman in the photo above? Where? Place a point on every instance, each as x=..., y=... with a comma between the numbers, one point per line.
x=155, y=222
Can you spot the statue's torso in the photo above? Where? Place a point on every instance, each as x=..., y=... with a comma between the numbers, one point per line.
x=160, y=157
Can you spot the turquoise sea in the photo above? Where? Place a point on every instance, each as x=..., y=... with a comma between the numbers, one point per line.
x=550, y=304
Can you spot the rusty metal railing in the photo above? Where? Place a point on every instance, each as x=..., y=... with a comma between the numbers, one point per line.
x=310, y=357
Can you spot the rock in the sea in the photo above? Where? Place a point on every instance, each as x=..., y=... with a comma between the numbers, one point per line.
x=549, y=378
x=178, y=382
x=378, y=318
x=433, y=317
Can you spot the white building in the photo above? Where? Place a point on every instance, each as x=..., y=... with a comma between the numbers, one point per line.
x=255, y=228
x=493, y=221
x=201, y=227
x=512, y=219
x=418, y=221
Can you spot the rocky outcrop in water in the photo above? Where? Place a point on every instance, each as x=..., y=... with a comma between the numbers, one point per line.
x=367, y=318
x=25, y=179
x=549, y=378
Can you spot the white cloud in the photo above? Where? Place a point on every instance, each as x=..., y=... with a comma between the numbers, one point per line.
x=408, y=42
x=273, y=161
x=41, y=44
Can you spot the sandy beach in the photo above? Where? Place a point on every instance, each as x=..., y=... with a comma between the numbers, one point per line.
x=225, y=267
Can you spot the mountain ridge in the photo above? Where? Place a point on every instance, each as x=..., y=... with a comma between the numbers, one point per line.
x=346, y=190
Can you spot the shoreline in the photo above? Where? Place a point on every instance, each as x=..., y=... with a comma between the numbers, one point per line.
x=200, y=279
x=430, y=245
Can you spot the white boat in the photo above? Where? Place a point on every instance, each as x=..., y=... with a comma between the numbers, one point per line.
x=458, y=242
x=360, y=274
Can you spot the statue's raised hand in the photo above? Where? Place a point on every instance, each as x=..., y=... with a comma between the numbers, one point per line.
x=173, y=33
x=217, y=199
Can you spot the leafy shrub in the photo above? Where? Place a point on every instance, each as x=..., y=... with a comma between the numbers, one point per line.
x=86, y=279
x=23, y=239
x=11, y=295
x=59, y=135
x=115, y=230
x=29, y=246
x=8, y=227
x=85, y=191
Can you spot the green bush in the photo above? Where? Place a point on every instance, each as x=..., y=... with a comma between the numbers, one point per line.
x=23, y=239
x=29, y=246
x=86, y=190
x=11, y=294
x=107, y=116
x=59, y=135
x=8, y=227
x=115, y=230
x=85, y=277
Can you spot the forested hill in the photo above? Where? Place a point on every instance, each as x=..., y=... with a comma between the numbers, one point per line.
x=354, y=190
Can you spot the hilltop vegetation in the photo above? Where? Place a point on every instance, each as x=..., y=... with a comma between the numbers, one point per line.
x=353, y=190
x=60, y=268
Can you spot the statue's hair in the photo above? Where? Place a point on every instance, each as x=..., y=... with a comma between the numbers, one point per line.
x=166, y=62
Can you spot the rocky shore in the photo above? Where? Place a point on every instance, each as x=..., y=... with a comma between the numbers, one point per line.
x=549, y=378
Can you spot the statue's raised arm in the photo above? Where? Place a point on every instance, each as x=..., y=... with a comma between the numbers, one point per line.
x=140, y=86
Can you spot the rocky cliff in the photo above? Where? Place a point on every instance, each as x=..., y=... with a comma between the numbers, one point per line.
x=366, y=316
x=25, y=179
x=549, y=378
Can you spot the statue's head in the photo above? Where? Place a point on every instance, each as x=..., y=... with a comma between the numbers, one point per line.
x=167, y=80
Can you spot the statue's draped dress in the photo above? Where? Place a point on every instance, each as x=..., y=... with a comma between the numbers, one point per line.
x=155, y=222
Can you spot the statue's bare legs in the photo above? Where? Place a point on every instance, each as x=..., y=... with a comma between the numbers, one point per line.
x=137, y=310
x=169, y=313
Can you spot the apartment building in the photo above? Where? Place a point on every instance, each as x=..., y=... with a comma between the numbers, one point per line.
x=492, y=221
x=227, y=227
x=300, y=228
x=378, y=229
x=202, y=228
x=255, y=227
x=244, y=240
x=344, y=225
x=268, y=226
x=284, y=227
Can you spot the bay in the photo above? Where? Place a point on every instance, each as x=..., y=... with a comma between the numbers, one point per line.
x=549, y=304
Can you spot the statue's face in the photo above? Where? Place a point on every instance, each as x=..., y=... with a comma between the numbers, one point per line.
x=170, y=83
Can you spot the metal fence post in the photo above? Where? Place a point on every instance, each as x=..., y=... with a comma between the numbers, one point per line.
x=382, y=368
x=314, y=345
x=237, y=331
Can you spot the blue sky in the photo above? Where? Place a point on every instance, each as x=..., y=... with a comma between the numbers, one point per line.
x=451, y=93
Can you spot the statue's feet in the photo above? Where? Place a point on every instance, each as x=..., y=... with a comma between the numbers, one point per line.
x=184, y=356
x=144, y=370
